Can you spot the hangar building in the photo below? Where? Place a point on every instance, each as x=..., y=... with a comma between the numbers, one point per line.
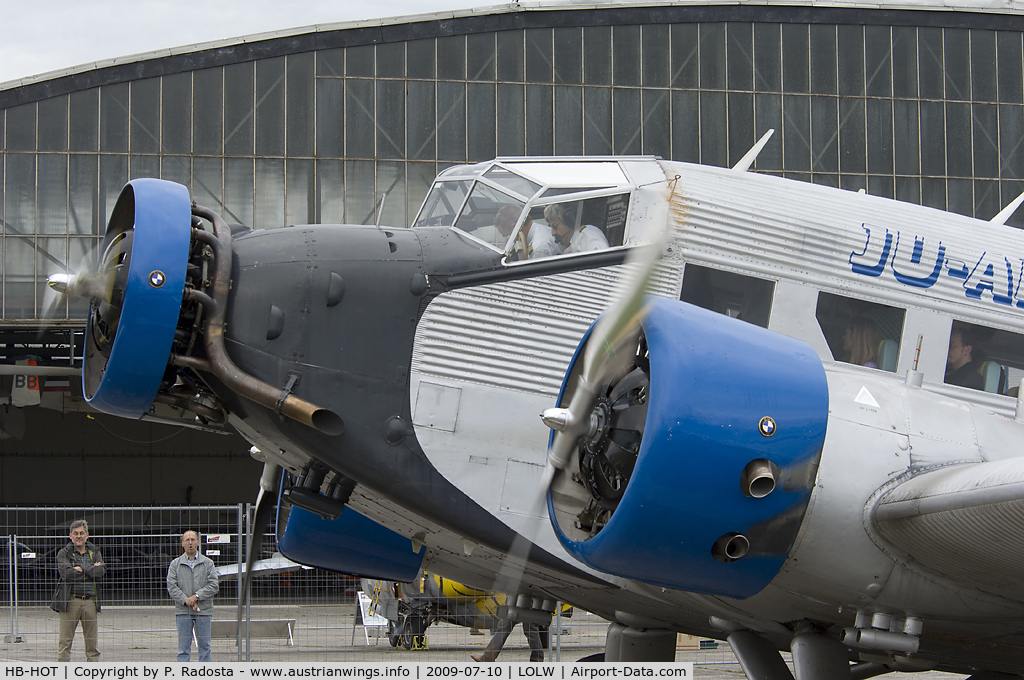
x=920, y=101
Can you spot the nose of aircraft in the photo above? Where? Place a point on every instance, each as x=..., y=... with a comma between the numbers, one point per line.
x=159, y=296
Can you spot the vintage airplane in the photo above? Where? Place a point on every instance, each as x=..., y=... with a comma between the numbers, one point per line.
x=717, y=465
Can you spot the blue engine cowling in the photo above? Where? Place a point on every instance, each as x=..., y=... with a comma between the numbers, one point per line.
x=705, y=456
x=351, y=544
x=130, y=332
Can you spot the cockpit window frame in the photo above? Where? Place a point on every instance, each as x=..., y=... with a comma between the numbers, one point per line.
x=605, y=182
x=566, y=198
x=462, y=213
x=489, y=177
x=458, y=211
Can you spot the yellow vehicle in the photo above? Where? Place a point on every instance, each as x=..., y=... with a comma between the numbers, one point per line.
x=411, y=608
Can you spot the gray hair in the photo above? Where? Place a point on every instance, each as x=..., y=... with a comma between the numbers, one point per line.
x=80, y=523
x=556, y=211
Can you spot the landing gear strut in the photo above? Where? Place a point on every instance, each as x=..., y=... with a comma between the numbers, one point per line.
x=758, y=658
x=819, y=657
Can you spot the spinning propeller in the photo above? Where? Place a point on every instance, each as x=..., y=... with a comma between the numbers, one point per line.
x=612, y=352
x=70, y=284
x=604, y=417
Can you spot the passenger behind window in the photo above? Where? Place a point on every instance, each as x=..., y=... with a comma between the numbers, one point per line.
x=861, y=342
x=531, y=244
x=861, y=332
x=587, y=237
x=961, y=368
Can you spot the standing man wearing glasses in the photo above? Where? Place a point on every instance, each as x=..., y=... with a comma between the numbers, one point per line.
x=77, y=599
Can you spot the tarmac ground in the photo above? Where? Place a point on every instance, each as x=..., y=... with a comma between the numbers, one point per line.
x=328, y=633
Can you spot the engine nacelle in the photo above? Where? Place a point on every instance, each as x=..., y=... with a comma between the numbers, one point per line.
x=700, y=461
x=351, y=544
x=156, y=331
x=132, y=322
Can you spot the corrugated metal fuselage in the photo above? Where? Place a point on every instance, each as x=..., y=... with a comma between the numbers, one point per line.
x=441, y=383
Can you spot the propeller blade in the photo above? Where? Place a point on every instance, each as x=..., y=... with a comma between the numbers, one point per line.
x=609, y=353
x=266, y=502
x=620, y=326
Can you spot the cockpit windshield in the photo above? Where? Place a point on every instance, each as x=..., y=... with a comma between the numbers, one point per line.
x=510, y=180
x=443, y=203
x=533, y=210
x=478, y=216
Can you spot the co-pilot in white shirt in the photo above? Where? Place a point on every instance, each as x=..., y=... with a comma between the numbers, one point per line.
x=539, y=243
x=586, y=238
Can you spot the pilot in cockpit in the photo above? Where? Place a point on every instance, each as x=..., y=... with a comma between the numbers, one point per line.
x=530, y=244
x=574, y=240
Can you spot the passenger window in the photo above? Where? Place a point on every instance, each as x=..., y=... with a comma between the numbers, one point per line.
x=741, y=297
x=861, y=332
x=983, y=358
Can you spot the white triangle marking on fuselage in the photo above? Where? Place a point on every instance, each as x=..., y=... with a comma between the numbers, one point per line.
x=864, y=397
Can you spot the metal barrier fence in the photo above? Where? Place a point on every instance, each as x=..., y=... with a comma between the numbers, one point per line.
x=299, y=615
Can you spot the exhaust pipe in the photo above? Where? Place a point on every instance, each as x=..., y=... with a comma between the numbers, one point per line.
x=883, y=640
x=730, y=547
x=758, y=478
x=220, y=364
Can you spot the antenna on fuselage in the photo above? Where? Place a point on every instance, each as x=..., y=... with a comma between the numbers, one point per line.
x=1005, y=213
x=748, y=158
x=380, y=210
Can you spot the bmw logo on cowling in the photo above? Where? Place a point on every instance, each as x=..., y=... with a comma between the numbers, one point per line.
x=157, y=278
x=766, y=426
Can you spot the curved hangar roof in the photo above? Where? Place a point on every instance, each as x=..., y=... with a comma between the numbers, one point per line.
x=991, y=14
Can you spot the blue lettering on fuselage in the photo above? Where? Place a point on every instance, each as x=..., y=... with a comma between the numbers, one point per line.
x=916, y=262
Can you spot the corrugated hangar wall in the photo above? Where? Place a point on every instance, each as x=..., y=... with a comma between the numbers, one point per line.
x=925, y=106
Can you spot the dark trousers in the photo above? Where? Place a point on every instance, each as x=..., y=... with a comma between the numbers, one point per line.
x=535, y=634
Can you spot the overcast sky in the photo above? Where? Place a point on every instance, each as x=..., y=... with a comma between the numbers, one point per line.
x=46, y=35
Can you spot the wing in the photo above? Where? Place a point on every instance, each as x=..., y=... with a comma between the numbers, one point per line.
x=277, y=564
x=965, y=522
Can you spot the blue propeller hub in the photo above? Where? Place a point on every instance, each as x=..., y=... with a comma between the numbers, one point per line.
x=704, y=456
x=129, y=334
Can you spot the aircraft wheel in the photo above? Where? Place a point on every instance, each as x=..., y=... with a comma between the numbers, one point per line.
x=393, y=637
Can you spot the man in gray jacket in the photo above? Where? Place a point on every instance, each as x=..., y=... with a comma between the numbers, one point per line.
x=192, y=583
